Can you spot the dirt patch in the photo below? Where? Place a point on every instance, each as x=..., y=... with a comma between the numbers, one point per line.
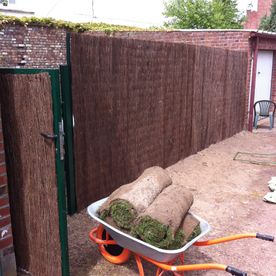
x=227, y=193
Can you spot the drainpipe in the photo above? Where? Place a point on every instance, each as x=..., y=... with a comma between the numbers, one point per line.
x=253, y=84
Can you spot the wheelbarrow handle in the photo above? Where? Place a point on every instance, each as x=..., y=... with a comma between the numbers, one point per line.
x=265, y=237
x=235, y=271
x=225, y=239
x=193, y=267
x=235, y=237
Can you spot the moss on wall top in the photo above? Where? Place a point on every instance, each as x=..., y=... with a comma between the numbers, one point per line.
x=60, y=24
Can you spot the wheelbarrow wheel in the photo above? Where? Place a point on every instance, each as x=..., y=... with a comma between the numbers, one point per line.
x=113, y=253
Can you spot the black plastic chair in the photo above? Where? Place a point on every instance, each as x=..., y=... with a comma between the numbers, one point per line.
x=264, y=108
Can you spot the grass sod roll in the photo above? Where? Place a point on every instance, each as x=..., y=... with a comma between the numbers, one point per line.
x=161, y=236
x=129, y=200
x=178, y=241
x=153, y=232
x=160, y=222
x=123, y=213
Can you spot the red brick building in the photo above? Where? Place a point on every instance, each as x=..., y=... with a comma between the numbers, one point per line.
x=254, y=17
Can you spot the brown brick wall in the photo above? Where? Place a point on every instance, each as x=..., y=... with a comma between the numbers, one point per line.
x=37, y=47
x=233, y=40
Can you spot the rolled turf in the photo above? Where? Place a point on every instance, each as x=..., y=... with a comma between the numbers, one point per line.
x=160, y=222
x=125, y=203
x=191, y=227
x=188, y=230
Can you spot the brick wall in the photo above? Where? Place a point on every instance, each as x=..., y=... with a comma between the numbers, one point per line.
x=39, y=47
x=32, y=47
x=252, y=20
x=42, y=47
x=233, y=40
x=254, y=17
x=267, y=44
x=46, y=47
x=7, y=259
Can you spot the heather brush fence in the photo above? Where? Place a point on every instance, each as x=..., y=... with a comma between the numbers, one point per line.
x=26, y=104
x=142, y=103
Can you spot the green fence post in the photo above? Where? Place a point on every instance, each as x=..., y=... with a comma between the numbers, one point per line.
x=66, y=92
x=57, y=111
x=68, y=138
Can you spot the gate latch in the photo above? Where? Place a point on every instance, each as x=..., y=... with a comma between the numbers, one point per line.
x=54, y=137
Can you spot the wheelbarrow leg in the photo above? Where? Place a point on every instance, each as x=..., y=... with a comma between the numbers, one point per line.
x=139, y=265
x=180, y=257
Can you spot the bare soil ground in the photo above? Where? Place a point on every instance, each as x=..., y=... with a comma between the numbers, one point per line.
x=228, y=194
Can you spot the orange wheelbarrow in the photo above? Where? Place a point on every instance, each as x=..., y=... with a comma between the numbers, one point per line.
x=117, y=247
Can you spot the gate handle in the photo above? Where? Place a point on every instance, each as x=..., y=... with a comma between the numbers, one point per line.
x=48, y=136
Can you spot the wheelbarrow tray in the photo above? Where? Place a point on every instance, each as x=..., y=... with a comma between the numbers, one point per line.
x=140, y=247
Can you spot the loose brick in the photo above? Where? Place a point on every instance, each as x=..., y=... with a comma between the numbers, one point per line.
x=4, y=200
x=5, y=221
x=2, y=168
x=3, y=190
x=4, y=211
x=3, y=179
x=2, y=157
x=4, y=243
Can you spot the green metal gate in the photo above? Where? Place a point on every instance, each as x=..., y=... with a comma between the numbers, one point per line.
x=57, y=137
